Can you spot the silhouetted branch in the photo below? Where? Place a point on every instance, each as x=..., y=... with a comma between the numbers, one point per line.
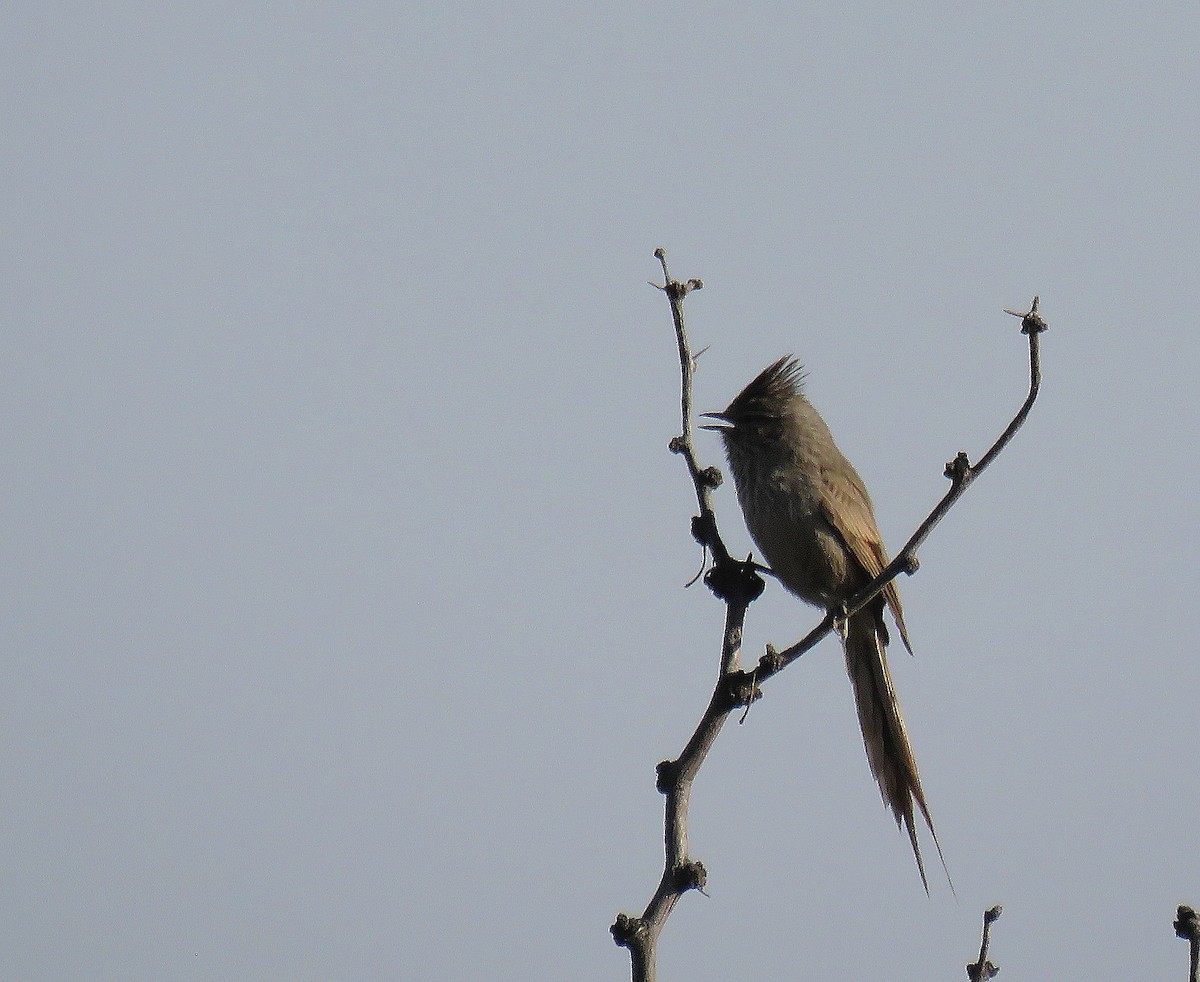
x=738, y=583
x=982, y=970
x=1187, y=926
x=961, y=474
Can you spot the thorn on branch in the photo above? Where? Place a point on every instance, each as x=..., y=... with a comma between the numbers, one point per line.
x=700, y=572
x=1031, y=320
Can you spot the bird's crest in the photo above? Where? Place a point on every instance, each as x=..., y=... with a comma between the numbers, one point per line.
x=767, y=397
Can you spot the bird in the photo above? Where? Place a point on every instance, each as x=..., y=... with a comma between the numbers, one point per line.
x=810, y=514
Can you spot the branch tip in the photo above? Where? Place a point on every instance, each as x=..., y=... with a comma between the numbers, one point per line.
x=1031, y=320
x=1187, y=924
x=983, y=969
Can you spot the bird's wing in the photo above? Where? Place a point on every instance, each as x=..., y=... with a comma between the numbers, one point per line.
x=847, y=507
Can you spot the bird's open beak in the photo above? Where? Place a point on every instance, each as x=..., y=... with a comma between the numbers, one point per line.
x=724, y=423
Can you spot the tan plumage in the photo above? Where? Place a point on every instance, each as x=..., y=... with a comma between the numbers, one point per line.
x=811, y=516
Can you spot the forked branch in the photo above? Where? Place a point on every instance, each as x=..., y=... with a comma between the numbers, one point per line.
x=962, y=475
x=738, y=583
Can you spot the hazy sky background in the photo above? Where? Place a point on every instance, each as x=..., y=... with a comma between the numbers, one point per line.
x=343, y=609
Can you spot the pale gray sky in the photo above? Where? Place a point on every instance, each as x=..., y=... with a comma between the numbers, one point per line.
x=343, y=620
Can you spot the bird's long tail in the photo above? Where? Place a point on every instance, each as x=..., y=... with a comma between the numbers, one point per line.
x=888, y=749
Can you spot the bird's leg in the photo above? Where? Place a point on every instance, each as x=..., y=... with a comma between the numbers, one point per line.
x=841, y=618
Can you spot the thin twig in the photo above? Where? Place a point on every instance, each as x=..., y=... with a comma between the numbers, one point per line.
x=705, y=480
x=983, y=969
x=961, y=474
x=738, y=583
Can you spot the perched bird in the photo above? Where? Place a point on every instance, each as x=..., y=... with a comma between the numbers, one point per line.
x=809, y=512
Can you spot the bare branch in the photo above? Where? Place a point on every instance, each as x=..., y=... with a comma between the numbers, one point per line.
x=982, y=970
x=961, y=474
x=738, y=583
x=1187, y=926
x=704, y=526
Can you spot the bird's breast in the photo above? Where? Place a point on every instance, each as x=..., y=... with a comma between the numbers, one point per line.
x=786, y=521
